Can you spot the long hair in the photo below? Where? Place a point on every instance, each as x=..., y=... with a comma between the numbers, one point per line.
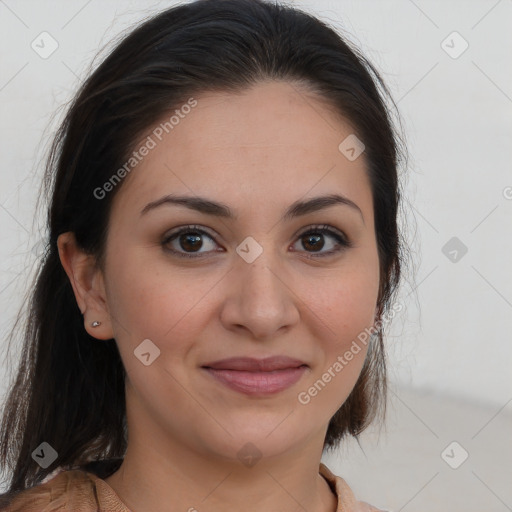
x=69, y=388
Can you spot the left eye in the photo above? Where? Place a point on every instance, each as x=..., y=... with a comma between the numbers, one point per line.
x=190, y=239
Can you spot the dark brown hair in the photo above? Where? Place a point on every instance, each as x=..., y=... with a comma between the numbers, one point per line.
x=69, y=388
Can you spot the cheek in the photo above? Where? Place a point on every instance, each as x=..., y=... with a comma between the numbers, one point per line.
x=159, y=302
x=346, y=313
x=341, y=353
x=134, y=297
x=343, y=301
x=344, y=305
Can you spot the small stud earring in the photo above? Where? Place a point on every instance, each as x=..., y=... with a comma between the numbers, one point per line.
x=95, y=323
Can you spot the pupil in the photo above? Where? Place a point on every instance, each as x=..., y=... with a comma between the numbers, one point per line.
x=192, y=240
x=315, y=239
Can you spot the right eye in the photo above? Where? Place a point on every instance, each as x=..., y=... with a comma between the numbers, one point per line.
x=189, y=238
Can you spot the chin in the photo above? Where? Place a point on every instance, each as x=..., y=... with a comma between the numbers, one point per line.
x=253, y=439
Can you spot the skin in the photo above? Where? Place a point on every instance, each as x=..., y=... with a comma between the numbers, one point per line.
x=258, y=152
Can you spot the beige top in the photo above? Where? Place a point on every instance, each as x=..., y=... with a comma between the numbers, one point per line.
x=76, y=490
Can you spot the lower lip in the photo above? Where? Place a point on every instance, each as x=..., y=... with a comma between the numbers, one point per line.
x=258, y=383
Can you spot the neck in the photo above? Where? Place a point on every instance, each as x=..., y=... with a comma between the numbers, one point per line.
x=152, y=480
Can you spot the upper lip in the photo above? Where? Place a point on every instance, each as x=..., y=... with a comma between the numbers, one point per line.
x=250, y=364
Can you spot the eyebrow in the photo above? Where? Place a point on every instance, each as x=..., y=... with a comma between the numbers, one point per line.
x=210, y=207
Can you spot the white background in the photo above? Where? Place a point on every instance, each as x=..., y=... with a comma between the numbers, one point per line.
x=453, y=342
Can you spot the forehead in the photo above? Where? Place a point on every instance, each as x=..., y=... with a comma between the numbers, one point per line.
x=270, y=144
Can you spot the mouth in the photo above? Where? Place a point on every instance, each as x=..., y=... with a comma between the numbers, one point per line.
x=257, y=376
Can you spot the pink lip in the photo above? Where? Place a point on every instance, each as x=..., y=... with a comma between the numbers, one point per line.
x=250, y=364
x=257, y=376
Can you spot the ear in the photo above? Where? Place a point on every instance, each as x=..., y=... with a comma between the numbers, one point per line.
x=88, y=285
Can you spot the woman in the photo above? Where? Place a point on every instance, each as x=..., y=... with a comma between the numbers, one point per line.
x=223, y=250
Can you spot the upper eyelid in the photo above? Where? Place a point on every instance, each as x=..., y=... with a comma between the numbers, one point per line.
x=206, y=230
x=195, y=227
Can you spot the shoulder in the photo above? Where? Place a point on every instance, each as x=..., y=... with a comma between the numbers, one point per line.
x=346, y=498
x=69, y=490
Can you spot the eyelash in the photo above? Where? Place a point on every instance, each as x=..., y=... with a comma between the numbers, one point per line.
x=343, y=242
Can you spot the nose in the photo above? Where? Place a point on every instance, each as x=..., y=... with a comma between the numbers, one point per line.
x=260, y=298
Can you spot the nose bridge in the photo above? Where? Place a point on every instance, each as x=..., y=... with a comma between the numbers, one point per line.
x=259, y=265
x=261, y=301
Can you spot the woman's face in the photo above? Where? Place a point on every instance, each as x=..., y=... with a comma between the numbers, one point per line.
x=255, y=286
